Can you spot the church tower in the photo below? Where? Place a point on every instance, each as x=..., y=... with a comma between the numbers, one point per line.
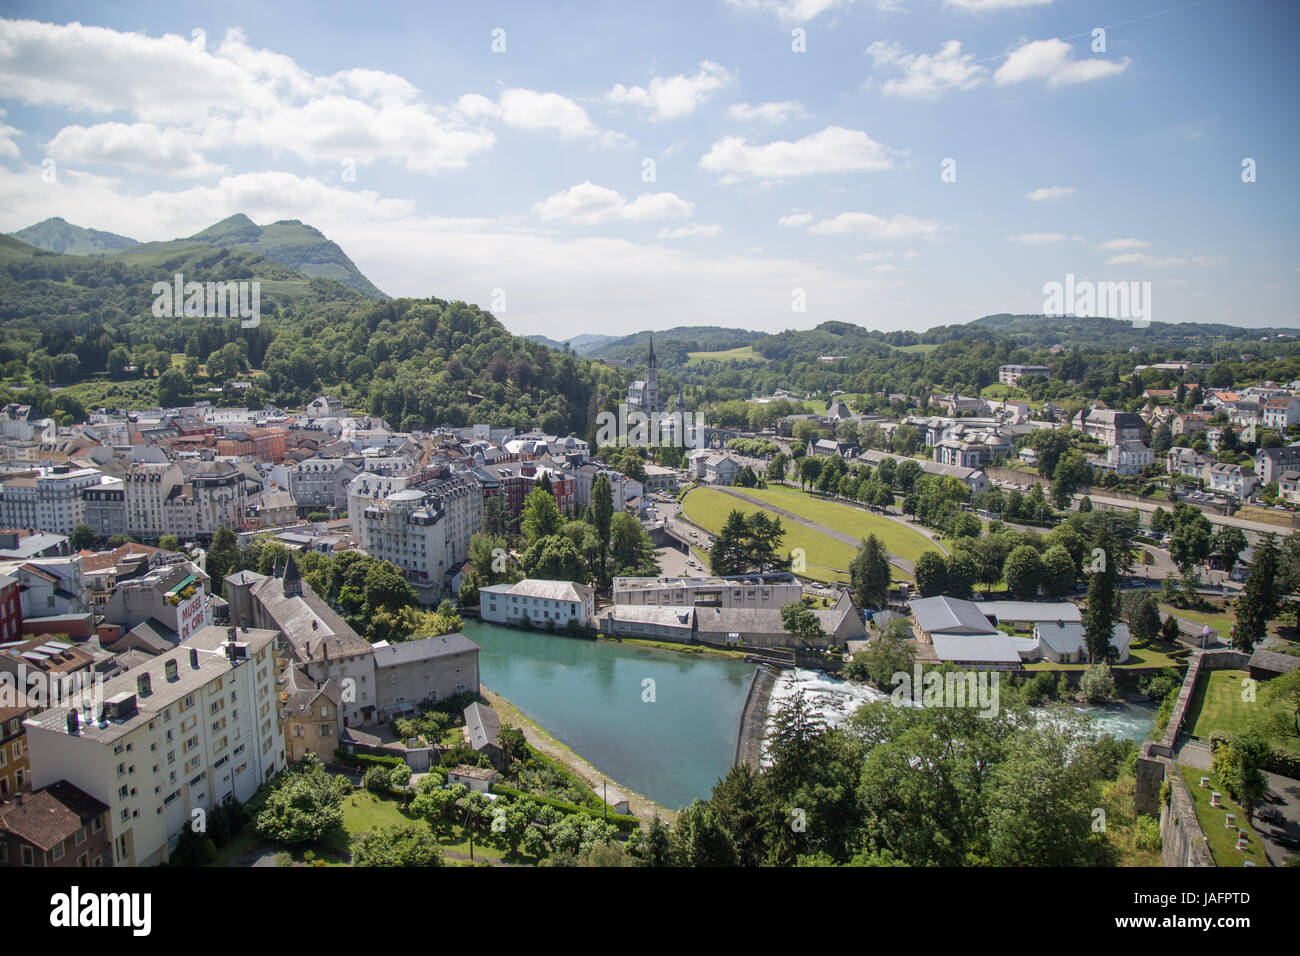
x=643, y=394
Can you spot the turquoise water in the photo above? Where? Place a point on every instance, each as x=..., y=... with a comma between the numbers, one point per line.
x=589, y=694
x=592, y=695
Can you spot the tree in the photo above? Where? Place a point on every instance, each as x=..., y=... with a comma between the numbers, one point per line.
x=169, y=542
x=172, y=388
x=869, y=573
x=540, y=517
x=801, y=623
x=728, y=553
x=1023, y=572
x=1169, y=629
x=1259, y=602
x=513, y=744
x=1144, y=620
x=602, y=513
x=1099, y=616
x=1059, y=571
x=1072, y=473
x=386, y=589
x=222, y=556
x=931, y=574
x=1228, y=543
x=892, y=652
x=83, y=538
x=405, y=845
x=304, y=805
x=962, y=573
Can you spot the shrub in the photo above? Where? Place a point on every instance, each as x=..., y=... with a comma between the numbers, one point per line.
x=1146, y=833
x=376, y=779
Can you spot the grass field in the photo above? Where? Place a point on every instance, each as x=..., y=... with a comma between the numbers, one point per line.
x=1222, y=841
x=1221, y=622
x=1000, y=392
x=745, y=353
x=828, y=559
x=899, y=540
x=922, y=348
x=1217, y=704
x=1265, y=515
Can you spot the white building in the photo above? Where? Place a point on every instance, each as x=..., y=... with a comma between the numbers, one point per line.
x=178, y=733
x=1236, y=481
x=533, y=601
x=425, y=534
x=46, y=499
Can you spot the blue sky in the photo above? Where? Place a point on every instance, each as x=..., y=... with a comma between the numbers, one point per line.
x=518, y=179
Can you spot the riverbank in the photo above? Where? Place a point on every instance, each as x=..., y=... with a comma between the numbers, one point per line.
x=675, y=647
x=643, y=807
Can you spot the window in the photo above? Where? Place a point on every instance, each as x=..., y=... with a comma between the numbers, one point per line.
x=57, y=853
x=29, y=858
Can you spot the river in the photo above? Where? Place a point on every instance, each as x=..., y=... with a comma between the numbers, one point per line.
x=662, y=722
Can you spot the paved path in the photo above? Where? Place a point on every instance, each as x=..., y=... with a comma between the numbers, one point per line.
x=908, y=567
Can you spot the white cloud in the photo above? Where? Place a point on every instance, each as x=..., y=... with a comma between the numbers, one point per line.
x=683, y=232
x=833, y=150
x=766, y=112
x=8, y=148
x=674, y=96
x=538, y=111
x=877, y=227
x=1049, y=192
x=1143, y=259
x=230, y=95
x=927, y=76
x=1120, y=245
x=139, y=146
x=884, y=267
x=801, y=11
x=1053, y=62
x=979, y=6
x=589, y=205
x=796, y=218
x=1038, y=238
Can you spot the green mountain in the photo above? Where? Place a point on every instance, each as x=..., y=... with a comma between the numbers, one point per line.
x=672, y=346
x=1101, y=333
x=297, y=245
x=59, y=235
x=289, y=242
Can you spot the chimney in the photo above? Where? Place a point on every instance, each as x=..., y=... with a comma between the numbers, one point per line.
x=74, y=722
x=194, y=658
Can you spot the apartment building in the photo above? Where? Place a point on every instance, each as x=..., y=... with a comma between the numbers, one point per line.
x=48, y=499
x=147, y=487
x=15, y=772
x=1111, y=427
x=179, y=733
x=104, y=505
x=1235, y=481
x=424, y=532
x=1270, y=463
x=1012, y=374
x=322, y=482
x=11, y=609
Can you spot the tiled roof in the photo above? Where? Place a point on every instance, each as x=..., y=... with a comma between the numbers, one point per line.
x=48, y=816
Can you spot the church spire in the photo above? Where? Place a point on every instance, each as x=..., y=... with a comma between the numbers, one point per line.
x=650, y=356
x=292, y=579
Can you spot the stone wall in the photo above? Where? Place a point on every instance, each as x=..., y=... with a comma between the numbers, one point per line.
x=1183, y=842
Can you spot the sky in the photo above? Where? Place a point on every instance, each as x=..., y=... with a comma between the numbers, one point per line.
x=760, y=164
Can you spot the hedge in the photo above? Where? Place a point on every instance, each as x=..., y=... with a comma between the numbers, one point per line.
x=1279, y=761
x=623, y=821
x=368, y=760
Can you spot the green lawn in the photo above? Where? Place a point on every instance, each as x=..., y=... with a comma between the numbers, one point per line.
x=745, y=353
x=828, y=559
x=1221, y=622
x=1213, y=820
x=898, y=539
x=1217, y=704
x=1137, y=657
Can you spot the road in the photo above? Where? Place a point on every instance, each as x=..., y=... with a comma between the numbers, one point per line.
x=1256, y=528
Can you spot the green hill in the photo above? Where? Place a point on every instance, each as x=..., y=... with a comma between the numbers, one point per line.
x=59, y=235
